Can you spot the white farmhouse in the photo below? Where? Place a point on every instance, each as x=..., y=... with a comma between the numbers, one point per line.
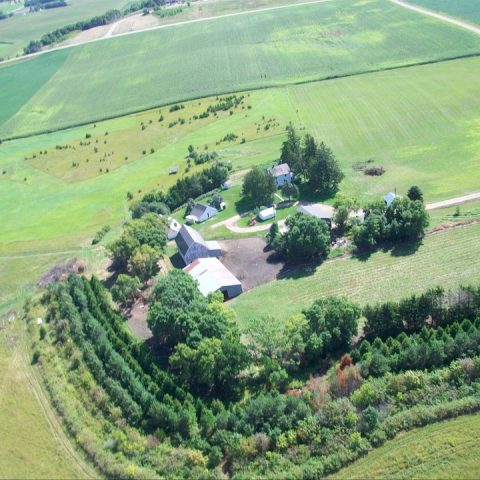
x=281, y=173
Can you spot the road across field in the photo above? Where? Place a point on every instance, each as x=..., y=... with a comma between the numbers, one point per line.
x=110, y=34
x=453, y=201
x=439, y=16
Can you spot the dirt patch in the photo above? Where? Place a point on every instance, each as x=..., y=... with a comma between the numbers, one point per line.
x=251, y=261
x=137, y=320
x=87, y=35
x=135, y=22
x=60, y=271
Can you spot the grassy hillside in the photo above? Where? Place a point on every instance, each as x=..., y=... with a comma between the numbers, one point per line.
x=269, y=48
x=442, y=451
x=464, y=9
x=17, y=31
x=447, y=259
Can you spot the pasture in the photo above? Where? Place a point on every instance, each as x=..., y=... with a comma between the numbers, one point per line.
x=463, y=9
x=291, y=45
x=447, y=258
x=441, y=451
x=17, y=31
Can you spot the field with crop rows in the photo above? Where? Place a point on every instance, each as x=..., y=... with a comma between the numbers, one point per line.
x=442, y=451
x=448, y=259
x=270, y=48
x=464, y=9
x=17, y=31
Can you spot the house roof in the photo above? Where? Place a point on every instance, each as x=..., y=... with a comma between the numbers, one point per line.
x=211, y=275
x=279, y=170
x=390, y=197
x=186, y=237
x=319, y=210
x=198, y=210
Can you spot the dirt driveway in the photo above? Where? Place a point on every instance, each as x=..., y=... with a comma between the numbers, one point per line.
x=250, y=261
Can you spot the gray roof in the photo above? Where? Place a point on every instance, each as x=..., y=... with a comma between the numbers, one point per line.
x=186, y=237
x=198, y=210
x=279, y=170
x=319, y=210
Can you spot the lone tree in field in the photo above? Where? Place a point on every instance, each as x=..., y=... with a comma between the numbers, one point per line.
x=259, y=187
x=307, y=238
x=290, y=190
x=414, y=193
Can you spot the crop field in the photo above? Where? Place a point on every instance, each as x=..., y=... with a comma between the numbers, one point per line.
x=286, y=46
x=448, y=258
x=464, y=9
x=18, y=30
x=445, y=450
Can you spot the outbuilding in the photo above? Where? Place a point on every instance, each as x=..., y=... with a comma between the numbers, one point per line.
x=202, y=212
x=192, y=246
x=266, y=214
x=318, y=210
x=212, y=276
x=173, y=229
x=390, y=197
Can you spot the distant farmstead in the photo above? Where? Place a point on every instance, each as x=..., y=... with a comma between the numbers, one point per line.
x=213, y=276
x=281, y=173
x=192, y=246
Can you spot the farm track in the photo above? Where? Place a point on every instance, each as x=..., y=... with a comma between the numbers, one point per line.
x=109, y=35
x=439, y=16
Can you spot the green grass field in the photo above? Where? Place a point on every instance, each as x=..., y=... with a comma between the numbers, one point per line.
x=270, y=48
x=442, y=451
x=18, y=30
x=464, y=9
x=448, y=259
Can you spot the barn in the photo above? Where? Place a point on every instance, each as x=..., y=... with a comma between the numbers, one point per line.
x=192, y=246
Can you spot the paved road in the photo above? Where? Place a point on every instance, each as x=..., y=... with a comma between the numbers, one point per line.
x=170, y=25
x=453, y=201
x=439, y=16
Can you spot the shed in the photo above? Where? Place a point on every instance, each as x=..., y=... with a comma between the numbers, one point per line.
x=173, y=170
x=281, y=173
x=318, y=210
x=212, y=276
x=227, y=185
x=267, y=214
x=173, y=229
x=202, y=212
x=192, y=246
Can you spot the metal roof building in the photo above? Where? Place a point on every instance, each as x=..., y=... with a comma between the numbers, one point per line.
x=213, y=276
x=192, y=246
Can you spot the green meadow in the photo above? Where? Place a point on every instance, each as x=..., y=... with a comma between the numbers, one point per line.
x=447, y=258
x=464, y=9
x=442, y=451
x=16, y=32
x=291, y=45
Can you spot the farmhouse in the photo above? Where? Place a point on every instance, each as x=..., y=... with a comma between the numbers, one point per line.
x=390, y=197
x=281, y=174
x=266, y=214
x=201, y=212
x=319, y=210
x=213, y=276
x=192, y=246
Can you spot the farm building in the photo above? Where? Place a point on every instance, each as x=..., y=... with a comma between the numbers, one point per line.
x=227, y=185
x=173, y=170
x=192, y=246
x=281, y=174
x=201, y=212
x=266, y=214
x=390, y=197
x=319, y=210
x=213, y=276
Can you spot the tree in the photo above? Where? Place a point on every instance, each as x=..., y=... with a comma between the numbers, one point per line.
x=125, y=288
x=332, y=323
x=216, y=201
x=406, y=219
x=291, y=151
x=259, y=186
x=179, y=313
x=148, y=230
x=143, y=262
x=340, y=218
x=371, y=233
x=273, y=235
x=121, y=250
x=307, y=238
x=213, y=366
x=323, y=172
x=290, y=190
x=414, y=193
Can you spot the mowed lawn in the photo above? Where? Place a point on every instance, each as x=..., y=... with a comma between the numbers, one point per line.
x=291, y=45
x=447, y=259
x=16, y=32
x=465, y=9
x=442, y=451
